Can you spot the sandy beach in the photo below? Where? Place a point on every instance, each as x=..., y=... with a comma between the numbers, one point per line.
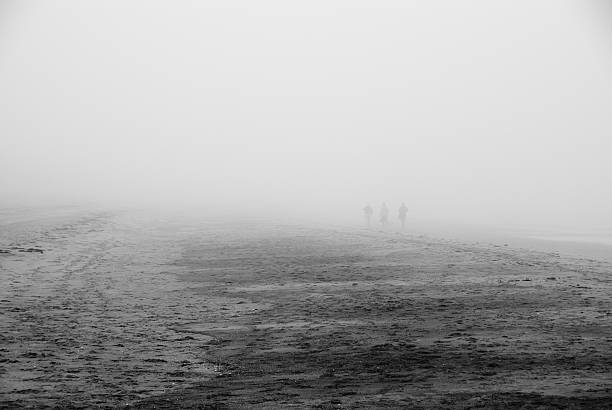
x=124, y=309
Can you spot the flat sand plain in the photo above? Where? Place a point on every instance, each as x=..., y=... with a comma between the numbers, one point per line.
x=103, y=309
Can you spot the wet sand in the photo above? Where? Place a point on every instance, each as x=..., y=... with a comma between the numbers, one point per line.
x=121, y=309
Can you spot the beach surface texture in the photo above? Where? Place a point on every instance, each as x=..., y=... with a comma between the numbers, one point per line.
x=120, y=309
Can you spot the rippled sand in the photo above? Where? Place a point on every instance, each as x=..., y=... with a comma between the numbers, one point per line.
x=124, y=309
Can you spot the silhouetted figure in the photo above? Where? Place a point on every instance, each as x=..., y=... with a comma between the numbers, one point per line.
x=368, y=211
x=403, y=210
x=384, y=215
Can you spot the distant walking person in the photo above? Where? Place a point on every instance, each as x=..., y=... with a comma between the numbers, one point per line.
x=368, y=211
x=384, y=215
x=403, y=210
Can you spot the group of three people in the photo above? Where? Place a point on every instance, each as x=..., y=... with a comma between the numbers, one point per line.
x=384, y=214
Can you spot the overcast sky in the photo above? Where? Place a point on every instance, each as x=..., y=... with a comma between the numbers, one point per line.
x=495, y=112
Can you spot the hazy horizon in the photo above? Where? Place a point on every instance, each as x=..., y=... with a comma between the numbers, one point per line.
x=471, y=112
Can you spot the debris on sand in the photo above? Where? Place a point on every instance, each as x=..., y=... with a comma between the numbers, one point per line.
x=28, y=250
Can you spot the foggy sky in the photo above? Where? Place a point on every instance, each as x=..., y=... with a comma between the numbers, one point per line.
x=492, y=112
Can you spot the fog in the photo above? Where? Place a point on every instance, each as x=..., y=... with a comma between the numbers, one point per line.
x=473, y=112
